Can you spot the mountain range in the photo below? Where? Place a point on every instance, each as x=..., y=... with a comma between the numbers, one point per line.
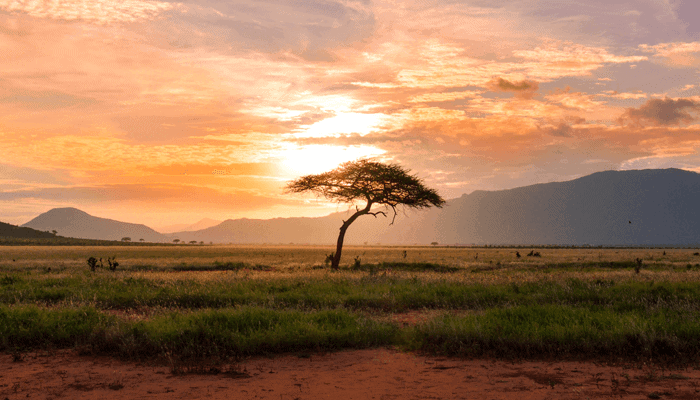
x=71, y=222
x=639, y=207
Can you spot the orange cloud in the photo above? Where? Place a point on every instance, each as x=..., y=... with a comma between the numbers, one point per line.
x=681, y=54
x=663, y=112
x=558, y=59
x=525, y=88
x=623, y=96
x=443, y=97
x=562, y=129
x=208, y=170
x=105, y=153
x=574, y=100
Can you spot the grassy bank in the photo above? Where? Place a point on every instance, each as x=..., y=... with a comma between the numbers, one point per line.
x=514, y=333
x=205, y=333
x=195, y=303
x=666, y=336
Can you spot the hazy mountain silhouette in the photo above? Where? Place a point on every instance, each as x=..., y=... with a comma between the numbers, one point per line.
x=12, y=231
x=201, y=224
x=643, y=207
x=71, y=222
x=277, y=230
x=637, y=207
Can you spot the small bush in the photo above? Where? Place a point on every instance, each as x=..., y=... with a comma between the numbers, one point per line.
x=92, y=263
x=9, y=280
x=113, y=264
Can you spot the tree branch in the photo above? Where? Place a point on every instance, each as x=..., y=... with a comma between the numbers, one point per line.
x=374, y=214
x=393, y=208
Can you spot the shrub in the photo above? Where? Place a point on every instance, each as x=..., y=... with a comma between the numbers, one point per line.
x=92, y=262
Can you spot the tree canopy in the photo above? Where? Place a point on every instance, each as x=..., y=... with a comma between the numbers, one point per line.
x=370, y=182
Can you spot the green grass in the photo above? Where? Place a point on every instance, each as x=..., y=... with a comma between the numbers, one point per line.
x=381, y=293
x=532, y=332
x=28, y=327
x=183, y=303
x=222, y=333
x=251, y=331
x=565, y=331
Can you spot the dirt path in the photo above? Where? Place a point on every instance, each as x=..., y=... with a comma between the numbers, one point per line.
x=364, y=374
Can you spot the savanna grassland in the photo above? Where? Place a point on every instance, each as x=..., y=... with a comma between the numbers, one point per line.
x=226, y=302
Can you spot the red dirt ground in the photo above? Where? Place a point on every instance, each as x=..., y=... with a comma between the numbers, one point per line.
x=363, y=374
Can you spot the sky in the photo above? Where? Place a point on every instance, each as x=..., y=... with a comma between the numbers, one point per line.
x=161, y=113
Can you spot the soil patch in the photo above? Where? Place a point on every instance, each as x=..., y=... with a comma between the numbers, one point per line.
x=358, y=374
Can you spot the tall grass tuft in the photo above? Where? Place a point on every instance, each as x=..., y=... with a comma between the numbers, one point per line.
x=556, y=331
x=221, y=333
x=26, y=327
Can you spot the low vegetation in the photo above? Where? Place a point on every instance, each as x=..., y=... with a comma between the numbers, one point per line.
x=223, y=333
x=67, y=241
x=617, y=304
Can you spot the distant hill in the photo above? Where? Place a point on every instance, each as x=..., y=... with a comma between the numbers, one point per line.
x=201, y=224
x=277, y=230
x=641, y=207
x=71, y=222
x=12, y=231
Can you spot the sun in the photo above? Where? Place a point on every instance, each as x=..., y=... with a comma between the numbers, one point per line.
x=318, y=158
x=341, y=124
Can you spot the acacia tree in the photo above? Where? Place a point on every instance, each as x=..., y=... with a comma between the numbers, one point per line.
x=369, y=182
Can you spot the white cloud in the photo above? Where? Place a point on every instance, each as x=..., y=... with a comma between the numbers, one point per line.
x=98, y=11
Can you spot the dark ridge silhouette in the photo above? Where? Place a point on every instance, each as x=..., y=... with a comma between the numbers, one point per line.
x=639, y=207
x=12, y=231
x=71, y=222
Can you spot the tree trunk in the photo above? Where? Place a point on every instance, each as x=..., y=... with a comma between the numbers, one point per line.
x=335, y=264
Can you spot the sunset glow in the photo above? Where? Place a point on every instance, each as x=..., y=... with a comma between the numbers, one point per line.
x=315, y=159
x=342, y=124
x=159, y=112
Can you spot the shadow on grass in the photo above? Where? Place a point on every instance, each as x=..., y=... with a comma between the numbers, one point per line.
x=403, y=266
x=216, y=266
